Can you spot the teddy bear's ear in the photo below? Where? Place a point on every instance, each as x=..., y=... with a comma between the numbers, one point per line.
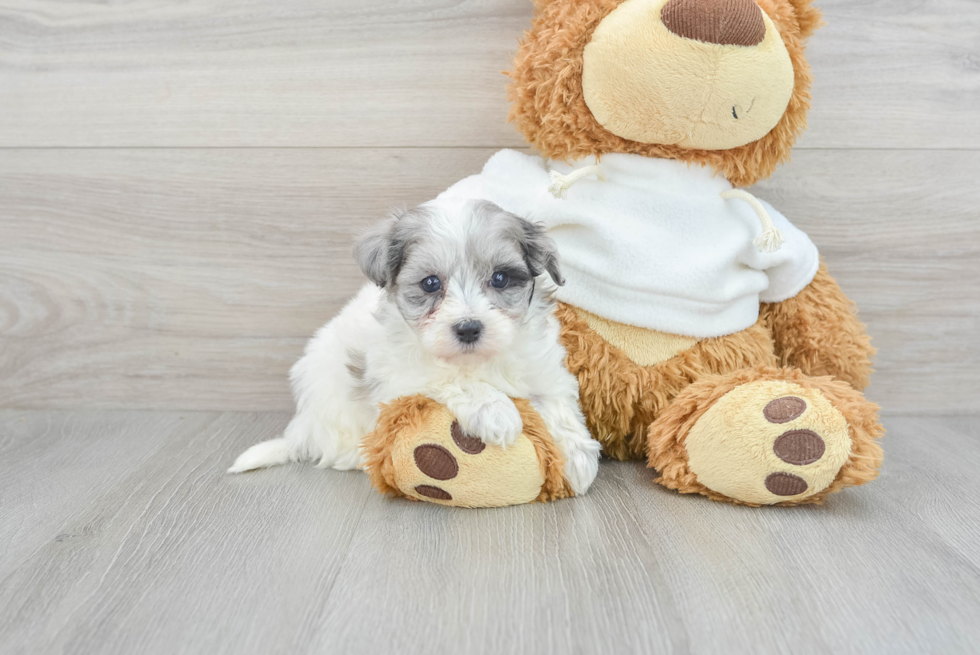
x=808, y=17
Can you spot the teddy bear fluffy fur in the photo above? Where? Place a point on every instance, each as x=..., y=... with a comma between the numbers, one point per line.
x=813, y=341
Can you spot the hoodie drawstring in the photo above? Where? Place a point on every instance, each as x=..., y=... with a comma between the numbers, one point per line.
x=561, y=183
x=770, y=239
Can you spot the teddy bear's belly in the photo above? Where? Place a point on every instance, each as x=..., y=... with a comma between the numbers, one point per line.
x=643, y=347
x=621, y=395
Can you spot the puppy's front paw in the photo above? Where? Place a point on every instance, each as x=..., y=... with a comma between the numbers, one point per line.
x=581, y=464
x=495, y=423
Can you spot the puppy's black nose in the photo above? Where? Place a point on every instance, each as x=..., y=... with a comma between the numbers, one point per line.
x=468, y=331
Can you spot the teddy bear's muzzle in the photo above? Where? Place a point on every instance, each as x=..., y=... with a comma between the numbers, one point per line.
x=706, y=74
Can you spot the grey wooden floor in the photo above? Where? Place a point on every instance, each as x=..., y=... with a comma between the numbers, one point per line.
x=120, y=534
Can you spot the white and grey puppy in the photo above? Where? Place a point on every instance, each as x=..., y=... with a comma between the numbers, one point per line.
x=460, y=311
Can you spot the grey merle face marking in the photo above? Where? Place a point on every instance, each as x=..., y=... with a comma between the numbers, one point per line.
x=473, y=253
x=538, y=251
x=381, y=251
x=363, y=387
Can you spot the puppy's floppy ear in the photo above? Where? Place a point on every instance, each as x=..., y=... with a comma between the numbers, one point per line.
x=380, y=252
x=371, y=252
x=540, y=251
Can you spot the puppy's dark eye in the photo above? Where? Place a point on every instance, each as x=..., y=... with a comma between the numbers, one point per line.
x=499, y=280
x=431, y=284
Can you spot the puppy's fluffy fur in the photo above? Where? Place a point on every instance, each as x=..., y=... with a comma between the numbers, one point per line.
x=460, y=310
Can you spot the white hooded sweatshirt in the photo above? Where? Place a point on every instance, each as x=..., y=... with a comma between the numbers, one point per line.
x=654, y=244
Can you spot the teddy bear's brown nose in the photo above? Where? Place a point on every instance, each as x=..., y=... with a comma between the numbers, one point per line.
x=724, y=22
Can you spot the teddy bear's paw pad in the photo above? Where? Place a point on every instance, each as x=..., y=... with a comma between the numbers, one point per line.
x=469, y=445
x=768, y=442
x=436, y=462
x=786, y=484
x=435, y=493
x=442, y=464
x=784, y=410
x=799, y=447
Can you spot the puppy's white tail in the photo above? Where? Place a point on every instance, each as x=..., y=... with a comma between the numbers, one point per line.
x=267, y=453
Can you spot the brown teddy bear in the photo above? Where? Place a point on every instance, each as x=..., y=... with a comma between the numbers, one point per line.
x=706, y=335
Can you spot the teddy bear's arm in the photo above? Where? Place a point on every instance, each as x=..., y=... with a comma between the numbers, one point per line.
x=818, y=331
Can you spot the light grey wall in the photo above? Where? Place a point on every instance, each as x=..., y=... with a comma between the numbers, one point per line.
x=179, y=183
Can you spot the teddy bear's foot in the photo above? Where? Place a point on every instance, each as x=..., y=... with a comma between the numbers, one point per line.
x=766, y=436
x=419, y=450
